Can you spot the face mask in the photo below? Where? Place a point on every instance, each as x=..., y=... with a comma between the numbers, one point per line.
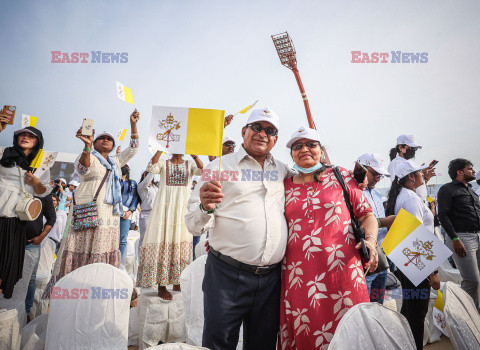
x=308, y=170
x=409, y=153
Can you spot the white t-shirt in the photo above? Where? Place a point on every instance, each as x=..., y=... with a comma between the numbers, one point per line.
x=411, y=202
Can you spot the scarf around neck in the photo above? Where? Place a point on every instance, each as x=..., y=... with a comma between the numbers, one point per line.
x=114, y=188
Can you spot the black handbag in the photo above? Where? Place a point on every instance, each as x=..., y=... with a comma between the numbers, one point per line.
x=358, y=231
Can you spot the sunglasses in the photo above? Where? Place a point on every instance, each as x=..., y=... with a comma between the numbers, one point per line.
x=375, y=175
x=309, y=144
x=229, y=144
x=269, y=130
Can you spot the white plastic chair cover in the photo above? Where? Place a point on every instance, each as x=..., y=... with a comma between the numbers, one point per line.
x=130, y=259
x=462, y=318
x=431, y=333
x=447, y=273
x=40, y=306
x=17, y=301
x=368, y=326
x=191, y=284
x=133, y=327
x=200, y=248
x=160, y=320
x=34, y=334
x=99, y=321
x=176, y=346
x=9, y=332
x=47, y=252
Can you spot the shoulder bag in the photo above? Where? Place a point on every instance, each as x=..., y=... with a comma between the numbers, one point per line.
x=28, y=207
x=85, y=216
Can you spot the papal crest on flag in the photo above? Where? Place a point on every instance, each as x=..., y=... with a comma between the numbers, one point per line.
x=124, y=93
x=28, y=120
x=187, y=130
x=414, y=249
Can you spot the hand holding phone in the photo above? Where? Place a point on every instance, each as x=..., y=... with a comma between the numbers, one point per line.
x=87, y=127
x=8, y=113
x=359, y=172
x=433, y=163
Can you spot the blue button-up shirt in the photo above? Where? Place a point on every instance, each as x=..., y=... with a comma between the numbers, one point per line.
x=375, y=200
x=129, y=199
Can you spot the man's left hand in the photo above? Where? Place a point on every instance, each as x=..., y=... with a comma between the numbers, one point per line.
x=127, y=214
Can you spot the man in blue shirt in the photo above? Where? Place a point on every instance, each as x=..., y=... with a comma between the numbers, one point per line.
x=129, y=201
x=375, y=171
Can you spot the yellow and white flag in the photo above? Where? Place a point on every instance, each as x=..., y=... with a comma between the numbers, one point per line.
x=187, y=130
x=28, y=120
x=121, y=134
x=415, y=250
x=438, y=315
x=124, y=93
x=246, y=109
x=37, y=160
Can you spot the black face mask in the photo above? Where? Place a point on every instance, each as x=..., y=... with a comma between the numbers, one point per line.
x=409, y=153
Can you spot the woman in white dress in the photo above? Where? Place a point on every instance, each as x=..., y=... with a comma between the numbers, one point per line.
x=15, y=163
x=99, y=244
x=167, y=245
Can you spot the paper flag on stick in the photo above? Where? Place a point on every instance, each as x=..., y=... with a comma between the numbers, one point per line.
x=121, y=134
x=28, y=120
x=187, y=130
x=415, y=250
x=47, y=162
x=124, y=93
x=430, y=199
x=37, y=160
x=438, y=315
x=246, y=109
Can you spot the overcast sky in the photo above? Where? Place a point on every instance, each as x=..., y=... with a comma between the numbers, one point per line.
x=219, y=54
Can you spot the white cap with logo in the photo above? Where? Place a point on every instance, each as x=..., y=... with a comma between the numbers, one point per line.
x=408, y=167
x=408, y=140
x=375, y=161
x=264, y=114
x=303, y=133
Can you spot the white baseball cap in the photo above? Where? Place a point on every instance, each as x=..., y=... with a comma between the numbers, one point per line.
x=105, y=134
x=227, y=139
x=408, y=167
x=408, y=140
x=62, y=179
x=303, y=133
x=375, y=161
x=477, y=175
x=74, y=183
x=264, y=114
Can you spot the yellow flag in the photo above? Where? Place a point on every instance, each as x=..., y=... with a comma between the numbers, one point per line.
x=246, y=109
x=121, y=134
x=430, y=199
x=28, y=120
x=37, y=160
x=439, y=302
x=187, y=130
x=124, y=93
x=404, y=224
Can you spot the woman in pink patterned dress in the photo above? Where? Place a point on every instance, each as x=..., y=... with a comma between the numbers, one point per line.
x=323, y=274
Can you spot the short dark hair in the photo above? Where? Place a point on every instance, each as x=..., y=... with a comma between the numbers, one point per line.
x=457, y=164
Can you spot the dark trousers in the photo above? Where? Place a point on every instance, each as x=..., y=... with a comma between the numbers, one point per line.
x=415, y=305
x=232, y=297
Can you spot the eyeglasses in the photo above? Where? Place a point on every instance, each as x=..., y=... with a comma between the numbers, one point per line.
x=269, y=130
x=309, y=144
x=229, y=144
x=375, y=175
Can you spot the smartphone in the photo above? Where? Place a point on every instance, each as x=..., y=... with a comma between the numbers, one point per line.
x=87, y=127
x=9, y=112
x=359, y=172
x=433, y=163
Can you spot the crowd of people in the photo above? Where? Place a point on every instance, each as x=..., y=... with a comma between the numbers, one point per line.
x=284, y=259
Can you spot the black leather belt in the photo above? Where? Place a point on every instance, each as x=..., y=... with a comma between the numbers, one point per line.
x=257, y=270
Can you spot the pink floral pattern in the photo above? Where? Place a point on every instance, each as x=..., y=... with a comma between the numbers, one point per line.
x=322, y=274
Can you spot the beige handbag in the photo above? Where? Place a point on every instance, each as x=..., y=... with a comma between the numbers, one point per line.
x=28, y=207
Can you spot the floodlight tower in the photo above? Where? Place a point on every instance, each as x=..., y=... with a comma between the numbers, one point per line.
x=286, y=52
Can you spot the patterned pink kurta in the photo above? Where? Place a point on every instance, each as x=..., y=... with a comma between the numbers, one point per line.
x=322, y=275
